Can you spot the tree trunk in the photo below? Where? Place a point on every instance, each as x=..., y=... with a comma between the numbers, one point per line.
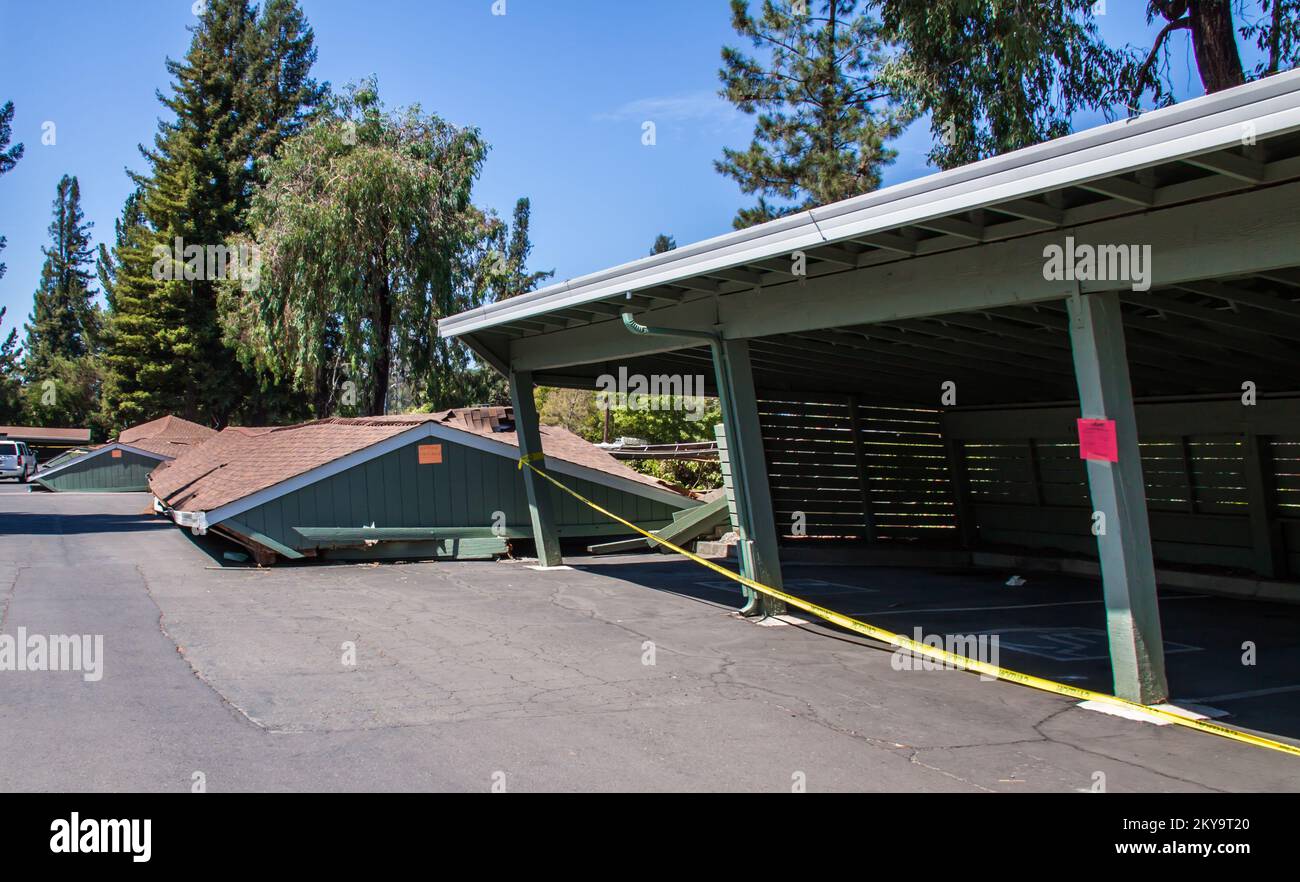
x=1215, y=43
x=383, y=355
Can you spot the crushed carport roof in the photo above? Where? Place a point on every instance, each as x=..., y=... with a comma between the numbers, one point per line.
x=168, y=436
x=239, y=462
x=163, y=439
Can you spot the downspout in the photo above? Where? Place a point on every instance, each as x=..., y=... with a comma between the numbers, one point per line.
x=724, y=401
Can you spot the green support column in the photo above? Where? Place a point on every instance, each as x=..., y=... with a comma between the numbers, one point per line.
x=762, y=562
x=1118, y=491
x=539, y=492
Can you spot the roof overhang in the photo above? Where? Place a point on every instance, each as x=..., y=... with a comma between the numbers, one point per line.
x=1210, y=184
x=42, y=435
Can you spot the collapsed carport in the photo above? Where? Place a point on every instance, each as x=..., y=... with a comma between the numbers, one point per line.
x=914, y=361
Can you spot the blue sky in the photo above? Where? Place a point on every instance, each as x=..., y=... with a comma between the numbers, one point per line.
x=560, y=88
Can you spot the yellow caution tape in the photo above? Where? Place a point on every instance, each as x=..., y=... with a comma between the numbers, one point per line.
x=529, y=458
x=960, y=662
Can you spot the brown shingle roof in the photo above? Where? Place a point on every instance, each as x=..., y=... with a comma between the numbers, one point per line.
x=168, y=436
x=239, y=462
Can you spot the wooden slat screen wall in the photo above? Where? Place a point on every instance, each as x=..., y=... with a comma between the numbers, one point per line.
x=1284, y=451
x=1033, y=492
x=893, y=482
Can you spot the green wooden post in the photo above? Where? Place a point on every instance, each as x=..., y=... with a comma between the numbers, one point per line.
x=749, y=473
x=1119, y=492
x=539, y=492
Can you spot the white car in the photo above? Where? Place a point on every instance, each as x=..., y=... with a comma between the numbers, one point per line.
x=16, y=461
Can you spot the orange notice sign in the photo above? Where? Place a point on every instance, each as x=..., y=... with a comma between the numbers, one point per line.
x=430, y=454
x=116, y=454
x=1097, y=440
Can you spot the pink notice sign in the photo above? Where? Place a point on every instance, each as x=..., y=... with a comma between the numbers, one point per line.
x=1097, y=440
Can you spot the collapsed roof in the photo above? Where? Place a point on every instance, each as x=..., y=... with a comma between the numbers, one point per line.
x=157, y=441
x=168, y=436
x=243, y=467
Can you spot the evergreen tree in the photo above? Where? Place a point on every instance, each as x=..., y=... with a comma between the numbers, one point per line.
x=10, y=353
x=243, y=87
x=514, y=277
x=663, y=243
x=64, y=321
x=823, y=116
x=141, y=381
x=11, y=401
x=61, y=364
x=9, y=156
x=105, y=265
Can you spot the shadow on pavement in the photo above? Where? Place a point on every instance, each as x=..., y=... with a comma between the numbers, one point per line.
x=1052, y=626
x=41, y=524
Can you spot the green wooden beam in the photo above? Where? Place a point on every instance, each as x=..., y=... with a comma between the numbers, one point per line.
x=749, y=470
x=1119, y=492
x=1233, y=235
x=262, y=539
x=530, y=447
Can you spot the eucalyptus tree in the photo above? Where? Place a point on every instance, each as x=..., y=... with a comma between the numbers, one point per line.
x=997, y=75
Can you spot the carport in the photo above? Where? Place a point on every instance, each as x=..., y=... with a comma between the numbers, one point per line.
x=909, y=367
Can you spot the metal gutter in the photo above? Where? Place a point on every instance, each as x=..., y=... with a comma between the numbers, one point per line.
x=1203, y=125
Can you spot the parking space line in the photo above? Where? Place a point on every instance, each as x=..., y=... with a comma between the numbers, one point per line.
x=1254, y=693
x=895, y=612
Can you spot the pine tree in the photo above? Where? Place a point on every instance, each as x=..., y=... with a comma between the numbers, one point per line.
x=9, y=156
x=141, y=381
x=823, y=117
x=64, y=321
x=105, y=264
x=10, y=353
x=60, y=363
x=663, y=243
x=514, y=277
x=242, y=88
x=11, y=401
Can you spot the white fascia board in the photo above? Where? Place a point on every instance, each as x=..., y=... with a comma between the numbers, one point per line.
x=205, y=520
x=1204, y=125
x=100, y=452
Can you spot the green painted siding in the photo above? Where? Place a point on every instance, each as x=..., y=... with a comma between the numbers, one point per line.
x=464, y=490
x=104, y=474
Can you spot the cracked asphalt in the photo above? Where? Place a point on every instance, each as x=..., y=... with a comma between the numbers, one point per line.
x=470, y=674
